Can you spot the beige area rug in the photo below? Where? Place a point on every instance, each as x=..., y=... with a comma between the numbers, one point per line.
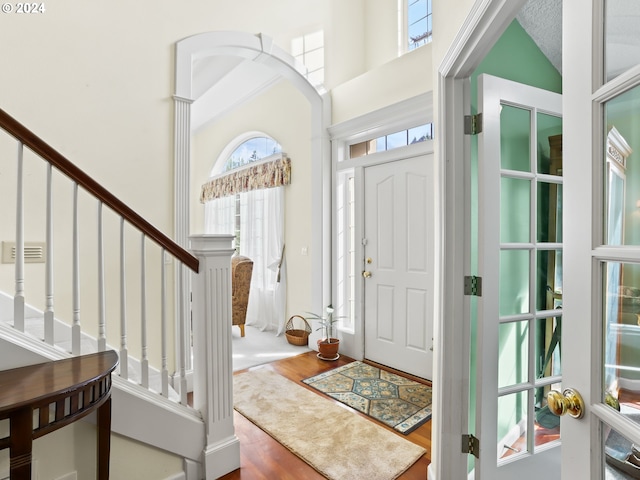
x=338, y=443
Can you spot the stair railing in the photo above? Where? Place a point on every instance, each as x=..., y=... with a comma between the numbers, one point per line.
x=127, y=218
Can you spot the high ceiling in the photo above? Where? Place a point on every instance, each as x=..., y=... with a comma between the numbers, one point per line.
x=542, y=20
x=220, y=83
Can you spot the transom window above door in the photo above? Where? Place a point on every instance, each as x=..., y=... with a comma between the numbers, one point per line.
x=393, y=140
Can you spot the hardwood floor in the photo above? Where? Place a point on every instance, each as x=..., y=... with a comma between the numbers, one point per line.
x=262, y=458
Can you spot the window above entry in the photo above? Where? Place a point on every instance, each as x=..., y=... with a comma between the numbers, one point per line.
x=390, y=141
x=415, y=24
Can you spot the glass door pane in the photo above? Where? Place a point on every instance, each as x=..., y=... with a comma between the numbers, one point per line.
x=530, y=298
x=620, y=270
x=520, y=262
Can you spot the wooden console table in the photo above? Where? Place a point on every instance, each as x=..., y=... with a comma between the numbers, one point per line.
x=39, y=399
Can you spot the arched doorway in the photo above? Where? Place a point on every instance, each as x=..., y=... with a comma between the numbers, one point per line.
x=214, y=58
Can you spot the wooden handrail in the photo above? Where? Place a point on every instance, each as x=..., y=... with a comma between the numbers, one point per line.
x=48, y=153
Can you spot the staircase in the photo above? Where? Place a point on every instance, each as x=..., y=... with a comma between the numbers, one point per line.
x=101, y=277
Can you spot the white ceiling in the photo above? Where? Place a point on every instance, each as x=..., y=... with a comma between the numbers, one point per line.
x=542, y=20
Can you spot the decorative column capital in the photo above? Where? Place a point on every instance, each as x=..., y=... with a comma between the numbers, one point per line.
x=180, y=99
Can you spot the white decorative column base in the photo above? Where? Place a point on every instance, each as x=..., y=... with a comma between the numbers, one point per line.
x=222, y=458
x=212, y=356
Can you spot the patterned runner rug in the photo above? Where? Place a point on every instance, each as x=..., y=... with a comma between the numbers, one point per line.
x=336, y=442
x=391, y=399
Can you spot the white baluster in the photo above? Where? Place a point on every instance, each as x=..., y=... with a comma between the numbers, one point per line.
x=75, y=329
x=144, y=364
x=124, y=358
x=18, y=300
x=163, y=326
x=102, y=312
x=182, y=353
x=48, y=312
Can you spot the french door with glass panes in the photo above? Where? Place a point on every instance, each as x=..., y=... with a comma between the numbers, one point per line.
x=601, y=322
x=519, y=312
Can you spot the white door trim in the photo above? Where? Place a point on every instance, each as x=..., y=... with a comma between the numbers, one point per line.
x=402, y=115
x=485, y=24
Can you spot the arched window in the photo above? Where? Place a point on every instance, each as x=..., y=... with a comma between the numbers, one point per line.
x=245, y=198
x=251, y=150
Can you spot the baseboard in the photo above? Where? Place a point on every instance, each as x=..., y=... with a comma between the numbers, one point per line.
x=177, y=476
x=512, y=436
x=69, y=476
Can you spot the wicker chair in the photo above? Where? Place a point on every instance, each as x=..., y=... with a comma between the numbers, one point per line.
x=241, y=270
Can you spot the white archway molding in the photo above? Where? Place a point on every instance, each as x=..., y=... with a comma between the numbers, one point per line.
x=260, y=49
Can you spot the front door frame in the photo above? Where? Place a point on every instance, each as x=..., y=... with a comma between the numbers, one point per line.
x=405, y=114
x=485, y=24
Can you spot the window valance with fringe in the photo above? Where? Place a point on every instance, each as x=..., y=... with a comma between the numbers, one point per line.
x=269, y=174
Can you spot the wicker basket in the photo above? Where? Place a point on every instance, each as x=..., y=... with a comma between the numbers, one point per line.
x=297, y=336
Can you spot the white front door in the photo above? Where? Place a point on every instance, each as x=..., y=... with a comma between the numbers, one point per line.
x=519, y=211
x=398, y=266
x=601, y=355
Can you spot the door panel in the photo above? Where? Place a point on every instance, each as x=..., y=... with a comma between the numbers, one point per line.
x=602, y=265
x=516, y=322
x=398, y=303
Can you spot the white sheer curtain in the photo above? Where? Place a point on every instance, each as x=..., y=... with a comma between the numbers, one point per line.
x=220, y=215
x=262, y=240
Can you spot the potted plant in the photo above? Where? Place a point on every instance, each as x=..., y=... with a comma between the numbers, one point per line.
x=329, y=344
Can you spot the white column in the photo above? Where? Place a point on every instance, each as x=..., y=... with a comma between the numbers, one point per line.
x=182, y=163
x=212, y=360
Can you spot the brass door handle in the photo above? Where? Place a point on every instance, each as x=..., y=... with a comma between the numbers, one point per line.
x=366, y=274
x=569, y=401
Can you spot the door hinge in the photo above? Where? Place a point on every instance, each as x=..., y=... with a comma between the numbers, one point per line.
x=471, y=445
x=473, y=124
x=473, y=285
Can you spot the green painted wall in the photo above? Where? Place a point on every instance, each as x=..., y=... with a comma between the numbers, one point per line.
x=514, y=57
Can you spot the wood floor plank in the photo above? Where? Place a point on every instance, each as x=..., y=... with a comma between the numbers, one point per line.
x=263, y=458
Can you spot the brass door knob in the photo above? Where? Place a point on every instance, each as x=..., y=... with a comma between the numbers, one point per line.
x=366, y=274
x=569, y=401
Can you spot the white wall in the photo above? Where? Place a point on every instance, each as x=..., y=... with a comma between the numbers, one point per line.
x=99, y=90
x=95, y=80
x=402, y=78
